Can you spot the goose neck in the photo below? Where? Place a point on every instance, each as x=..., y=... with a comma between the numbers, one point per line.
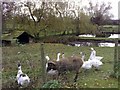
x=20, y=72
x=58, y=57
x=83, y=60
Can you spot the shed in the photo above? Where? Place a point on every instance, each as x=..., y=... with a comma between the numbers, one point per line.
x=21, y=37
x=6, y=42
x=6, y=39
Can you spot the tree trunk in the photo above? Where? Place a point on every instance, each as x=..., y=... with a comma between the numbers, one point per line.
x=77, y=27
x=119, y=54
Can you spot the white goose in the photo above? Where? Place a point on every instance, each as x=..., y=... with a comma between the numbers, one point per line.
x=96, y=61
x=47, y=58
x=63, y=55
x=58, y=57
x=99, y=57
x=93, y=55
x=22, y=79
x=86, y=64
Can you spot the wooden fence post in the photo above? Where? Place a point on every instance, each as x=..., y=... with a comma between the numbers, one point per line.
x=119, y=46
x=116, y=57
x=43, y=62
x=1, y=28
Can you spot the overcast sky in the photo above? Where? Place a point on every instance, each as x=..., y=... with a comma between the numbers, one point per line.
x=114, y=4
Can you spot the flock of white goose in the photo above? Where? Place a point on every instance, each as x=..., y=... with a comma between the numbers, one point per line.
x=93, y=61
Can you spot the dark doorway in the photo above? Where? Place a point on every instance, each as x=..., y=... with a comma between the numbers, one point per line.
x=24, y=38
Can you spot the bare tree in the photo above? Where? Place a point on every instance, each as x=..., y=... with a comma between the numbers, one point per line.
x=99, y=13
x=9, y=9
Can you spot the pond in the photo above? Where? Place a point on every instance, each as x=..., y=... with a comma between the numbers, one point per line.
x=114, y=36
x=106, y=44
x=103, y=44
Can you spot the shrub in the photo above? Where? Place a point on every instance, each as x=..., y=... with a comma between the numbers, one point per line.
x=52, y=84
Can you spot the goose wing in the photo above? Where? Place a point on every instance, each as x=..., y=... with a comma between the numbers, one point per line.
x=99, y=57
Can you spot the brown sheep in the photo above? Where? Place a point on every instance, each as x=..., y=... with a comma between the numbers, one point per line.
x=66, y=64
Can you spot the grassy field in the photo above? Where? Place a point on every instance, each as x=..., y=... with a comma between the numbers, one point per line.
x=30, y=58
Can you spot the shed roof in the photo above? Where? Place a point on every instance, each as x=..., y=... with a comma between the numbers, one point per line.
x=13, y=35
x=6, y=37
x=17, y=33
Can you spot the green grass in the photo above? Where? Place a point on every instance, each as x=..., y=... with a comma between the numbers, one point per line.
x=32, y=53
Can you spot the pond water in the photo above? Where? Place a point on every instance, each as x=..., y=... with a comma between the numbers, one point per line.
x=99, y=44
x=78, y=44
x=87, y=35
x=90, y=35
x=106, y=44
x=114, y=36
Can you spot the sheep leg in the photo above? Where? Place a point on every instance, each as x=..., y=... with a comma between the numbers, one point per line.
x=76, y=76
x=63, y=76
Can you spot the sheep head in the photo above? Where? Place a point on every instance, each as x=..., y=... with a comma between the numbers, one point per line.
x=51, y=65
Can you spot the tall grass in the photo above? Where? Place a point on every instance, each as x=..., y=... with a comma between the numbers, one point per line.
x=30, y=57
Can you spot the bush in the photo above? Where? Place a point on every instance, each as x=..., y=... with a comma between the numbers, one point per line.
x=52, y=84
x=115, y=75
